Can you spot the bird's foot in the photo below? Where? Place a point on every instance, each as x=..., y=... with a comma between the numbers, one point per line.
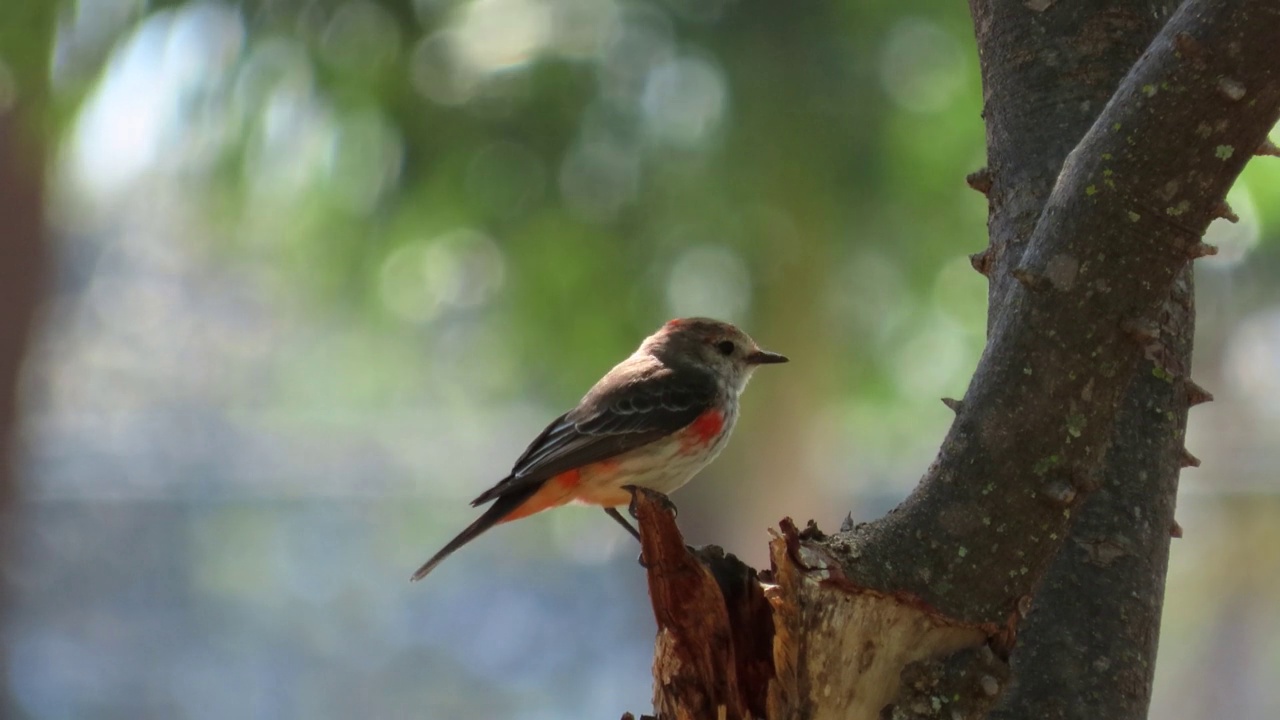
x=661, y=498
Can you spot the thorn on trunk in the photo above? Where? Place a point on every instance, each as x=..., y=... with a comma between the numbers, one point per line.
x=1224, y=211
x=1200, y=249
x=847, y=525
x=1267, y=148
x=1030, y=280
x=1175, y=530
x=981, y=262
x=954, y=404
x=1196, y=395
x=979, y=180
x=1188, y=460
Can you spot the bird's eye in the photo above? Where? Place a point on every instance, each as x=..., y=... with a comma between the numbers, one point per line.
x=725, y=347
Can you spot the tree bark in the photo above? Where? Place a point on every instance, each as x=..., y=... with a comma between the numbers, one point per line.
x=1095, y=622
x=911, y=615
x=1096, y=619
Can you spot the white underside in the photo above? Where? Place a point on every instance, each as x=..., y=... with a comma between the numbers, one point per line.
x=664, y=466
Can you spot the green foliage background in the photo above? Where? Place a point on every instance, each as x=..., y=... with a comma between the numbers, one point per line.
x=326, y=265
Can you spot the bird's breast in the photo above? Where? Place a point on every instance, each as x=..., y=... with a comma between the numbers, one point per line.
x=705, y=430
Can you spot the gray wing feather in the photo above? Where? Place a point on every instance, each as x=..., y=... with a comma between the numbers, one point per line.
x=615, y=416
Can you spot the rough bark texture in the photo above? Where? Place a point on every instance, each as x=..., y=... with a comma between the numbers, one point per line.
x=1046, y=75
x=1122, y=222
x=1095, y=619
x=910, y=616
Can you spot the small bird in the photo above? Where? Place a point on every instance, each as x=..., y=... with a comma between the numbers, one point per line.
x=653, y=421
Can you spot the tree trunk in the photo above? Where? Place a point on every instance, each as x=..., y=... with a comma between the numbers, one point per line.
x=1045, y=518
x=26, y=34
x=1096, y=618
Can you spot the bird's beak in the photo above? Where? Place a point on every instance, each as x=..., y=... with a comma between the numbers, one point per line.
x=764, y=357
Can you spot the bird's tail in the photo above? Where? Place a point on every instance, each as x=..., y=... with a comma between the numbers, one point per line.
x=503, y=506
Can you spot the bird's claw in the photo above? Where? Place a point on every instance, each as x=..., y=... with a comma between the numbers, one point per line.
x=662, y=498
x=669, y=506
x=631, y=506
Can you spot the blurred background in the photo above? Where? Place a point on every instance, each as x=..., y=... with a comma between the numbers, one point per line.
x=323, y=267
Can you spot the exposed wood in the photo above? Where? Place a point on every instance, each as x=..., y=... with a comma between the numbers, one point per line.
x=809, y=644
x=840, y=648
x=714, y=653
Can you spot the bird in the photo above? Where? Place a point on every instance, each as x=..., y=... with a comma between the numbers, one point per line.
x=653, y=421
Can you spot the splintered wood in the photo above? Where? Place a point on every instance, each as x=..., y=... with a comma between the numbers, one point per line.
x=713, y=652
x=809, y=645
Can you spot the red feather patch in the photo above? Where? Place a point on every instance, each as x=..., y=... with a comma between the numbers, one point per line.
x=705, y=428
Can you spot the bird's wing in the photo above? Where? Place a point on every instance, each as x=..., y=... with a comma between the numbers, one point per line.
x=630, y=407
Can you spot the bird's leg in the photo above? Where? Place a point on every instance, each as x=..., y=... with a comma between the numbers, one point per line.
x=613, y=513
x=631, y=510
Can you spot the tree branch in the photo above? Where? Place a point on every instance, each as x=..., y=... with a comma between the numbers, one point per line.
x=1046, y=75
x=1122, y=222
x=1087, y=647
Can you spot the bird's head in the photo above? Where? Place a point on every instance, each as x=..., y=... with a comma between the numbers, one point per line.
x=718, y=347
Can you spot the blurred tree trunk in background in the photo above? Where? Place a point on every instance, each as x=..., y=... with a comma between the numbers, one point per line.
x=1040, y=535
x=22, y=267
x=26, y=39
